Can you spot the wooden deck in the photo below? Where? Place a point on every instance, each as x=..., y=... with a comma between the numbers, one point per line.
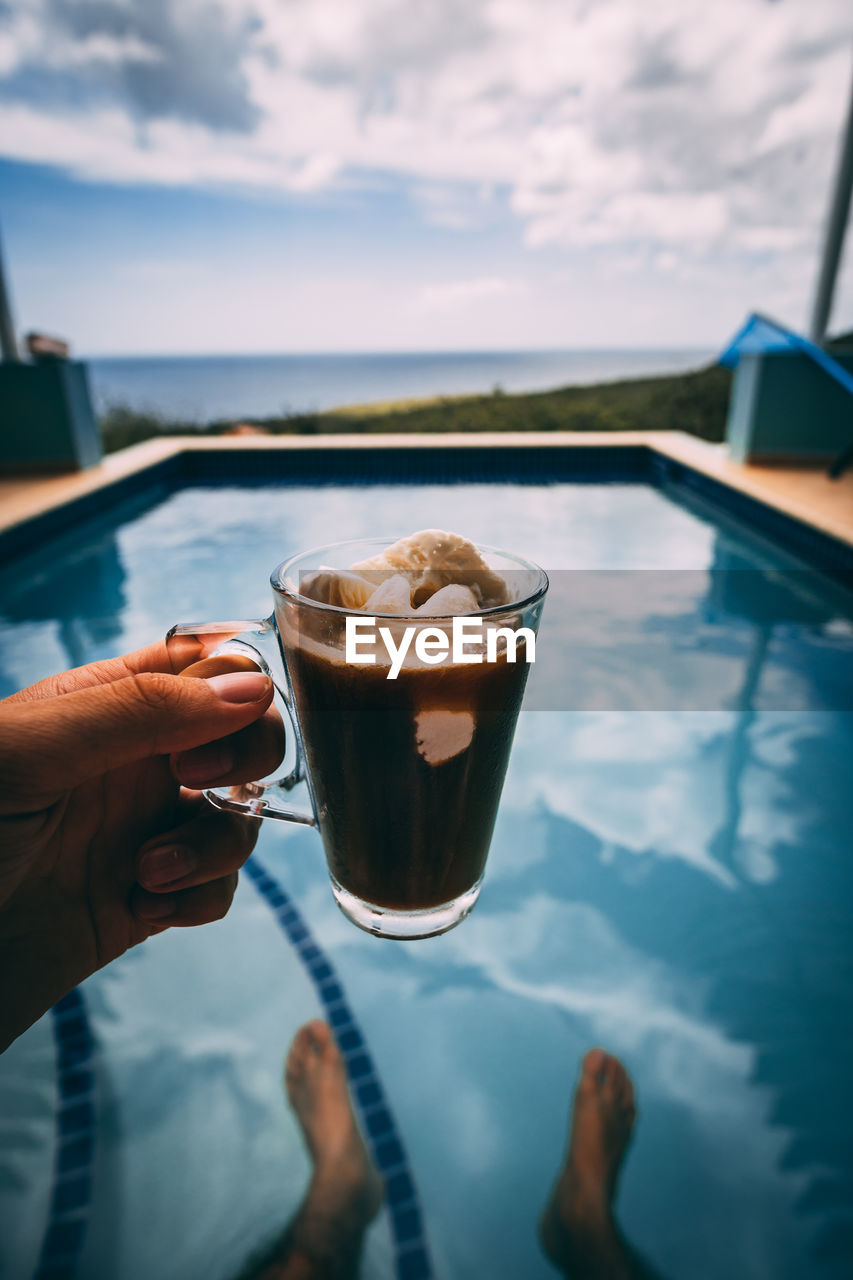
x=805, y=493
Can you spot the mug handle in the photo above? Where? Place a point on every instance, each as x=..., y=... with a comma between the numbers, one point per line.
x=192, y=642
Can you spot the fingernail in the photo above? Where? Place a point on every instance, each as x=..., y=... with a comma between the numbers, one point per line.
x=240, y=686
x=162, y=866
x=205, y=764
x=157, y=908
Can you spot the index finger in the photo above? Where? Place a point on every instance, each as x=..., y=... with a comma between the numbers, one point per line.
x=153, y=657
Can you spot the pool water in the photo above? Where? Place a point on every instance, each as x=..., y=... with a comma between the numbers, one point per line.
x=674, y=884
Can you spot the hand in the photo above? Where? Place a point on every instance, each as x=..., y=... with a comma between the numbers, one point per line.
x=101, y=845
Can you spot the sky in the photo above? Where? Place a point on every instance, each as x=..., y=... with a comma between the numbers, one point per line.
x=322, y=175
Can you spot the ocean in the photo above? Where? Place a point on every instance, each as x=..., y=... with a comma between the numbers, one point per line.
x=201, y=389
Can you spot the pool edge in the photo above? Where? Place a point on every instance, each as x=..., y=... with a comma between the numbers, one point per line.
x=795, y=514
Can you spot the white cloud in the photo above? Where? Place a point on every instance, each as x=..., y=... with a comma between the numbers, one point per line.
x=454, y=205
x=675, y=134
x=461, y=293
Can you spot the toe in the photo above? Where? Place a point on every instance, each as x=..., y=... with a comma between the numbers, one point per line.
x=591, y=1069
x=321, y=1036
x=331, y=1053
x=619, y=1077
x=610, y=1078
x=619, y=1085
x=300, y=1052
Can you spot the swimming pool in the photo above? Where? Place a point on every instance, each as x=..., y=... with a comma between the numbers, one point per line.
x=668, y=879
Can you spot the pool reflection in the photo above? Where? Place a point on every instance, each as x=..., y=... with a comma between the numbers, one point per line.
x=75, y=602
x=670, y=876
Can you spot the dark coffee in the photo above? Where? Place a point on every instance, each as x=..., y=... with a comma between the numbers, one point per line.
x=407, y=773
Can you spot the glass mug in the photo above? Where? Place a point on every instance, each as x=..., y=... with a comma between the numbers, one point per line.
x=403, y=776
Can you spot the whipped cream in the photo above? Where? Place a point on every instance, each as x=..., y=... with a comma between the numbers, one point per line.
x=431, y=573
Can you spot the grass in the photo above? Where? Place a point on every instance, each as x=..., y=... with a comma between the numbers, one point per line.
x=696, y=402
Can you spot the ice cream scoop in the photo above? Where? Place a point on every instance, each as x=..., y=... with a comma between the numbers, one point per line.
x=448, y=600
x=431, y=573
x=394, y=595
x=433, y=559
x=338, y=587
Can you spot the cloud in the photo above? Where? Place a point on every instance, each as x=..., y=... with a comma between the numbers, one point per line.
x=151, y=59
x=461, y=293
x=679, y=128
x=455, y=205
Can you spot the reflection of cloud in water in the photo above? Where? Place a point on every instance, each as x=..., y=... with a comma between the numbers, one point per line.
x=64, y=610
x=655, y=783
x=566, y=954
x=220, y=544
x=649, y=641
x=233, y=537
x=470, y=1118
x=29, y=651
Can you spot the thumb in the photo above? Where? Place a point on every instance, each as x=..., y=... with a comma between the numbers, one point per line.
x=48, y=747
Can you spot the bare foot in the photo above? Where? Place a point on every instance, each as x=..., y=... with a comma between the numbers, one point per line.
x=577, y=1227
x=345, y=1184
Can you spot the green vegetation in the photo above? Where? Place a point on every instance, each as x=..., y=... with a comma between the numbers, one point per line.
x=696, y=402
x=122, y=426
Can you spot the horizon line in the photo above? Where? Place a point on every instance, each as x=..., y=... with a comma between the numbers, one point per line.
x=395, y=351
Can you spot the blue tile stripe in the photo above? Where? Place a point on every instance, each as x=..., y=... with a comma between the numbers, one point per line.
x=412, y=1256
x=71, y=1196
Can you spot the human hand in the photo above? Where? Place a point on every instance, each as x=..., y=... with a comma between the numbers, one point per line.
x=102, y=846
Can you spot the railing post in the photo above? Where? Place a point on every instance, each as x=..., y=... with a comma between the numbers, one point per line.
x=8, y=344
x=836, y=226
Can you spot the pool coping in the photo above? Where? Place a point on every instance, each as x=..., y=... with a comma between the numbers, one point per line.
x=799, y=499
